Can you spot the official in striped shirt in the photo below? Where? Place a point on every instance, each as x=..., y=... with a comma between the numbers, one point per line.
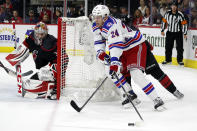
x=176, y=27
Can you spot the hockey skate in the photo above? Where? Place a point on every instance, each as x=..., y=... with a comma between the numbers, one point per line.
x=158, y=104
x=178, y=94
x=52, y=95
x=166, y=63
x=133, y=97
x=181, y=64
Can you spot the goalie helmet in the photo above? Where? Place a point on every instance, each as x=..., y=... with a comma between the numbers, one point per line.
x=101, y=10
x=40, y=31
x=41, y=27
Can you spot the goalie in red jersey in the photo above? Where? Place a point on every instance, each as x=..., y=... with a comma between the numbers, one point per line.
x=43, y=47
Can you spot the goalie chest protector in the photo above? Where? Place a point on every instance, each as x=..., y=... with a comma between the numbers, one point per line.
x=42, y=54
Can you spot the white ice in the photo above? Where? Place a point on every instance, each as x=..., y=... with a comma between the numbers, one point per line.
x=26, y=114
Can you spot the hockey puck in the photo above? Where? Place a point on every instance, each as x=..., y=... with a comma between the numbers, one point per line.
x=131, y=124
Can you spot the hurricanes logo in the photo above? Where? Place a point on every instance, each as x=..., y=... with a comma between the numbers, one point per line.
x=35, y=54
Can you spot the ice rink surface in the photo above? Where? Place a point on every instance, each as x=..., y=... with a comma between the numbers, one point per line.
x=26, y=114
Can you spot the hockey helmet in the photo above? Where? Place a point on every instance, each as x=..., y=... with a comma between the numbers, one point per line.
x=101, y=10
x=41, y=27
x=40, y=30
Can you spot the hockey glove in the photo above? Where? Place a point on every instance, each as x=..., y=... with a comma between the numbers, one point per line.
x=103, y=57
x=115, y=66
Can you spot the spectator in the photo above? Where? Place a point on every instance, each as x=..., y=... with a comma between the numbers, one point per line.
x=194, y=23
x=57, y=14
x=72, y=12
x=195, y=4
x=124, y=16
x=137, y=17
x=163, y=9
x=16, y=18
x=8, y=6
x=185, y=9
x=45, y=11
x=158, y=3
x=46, y=19
x=192, y=4
x=156, y=16
x=146, y=19
x=4, y=15
x=168, y=3
x=31, y=19
x=114, y=12
x=81, y=11
x=193, y=17
x=142, y=7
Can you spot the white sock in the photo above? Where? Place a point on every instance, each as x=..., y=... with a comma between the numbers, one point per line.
x=140, y=79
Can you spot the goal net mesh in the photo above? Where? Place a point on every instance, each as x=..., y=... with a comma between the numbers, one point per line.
x=84, y=73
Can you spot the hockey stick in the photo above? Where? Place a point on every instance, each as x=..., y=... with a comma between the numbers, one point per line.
x=76, y=107
x=13, y=73
x=116, y=76
x=18, y=66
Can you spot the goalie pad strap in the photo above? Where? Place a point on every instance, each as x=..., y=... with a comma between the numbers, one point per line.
x=37, y=86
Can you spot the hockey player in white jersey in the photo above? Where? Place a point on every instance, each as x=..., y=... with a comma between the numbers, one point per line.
x=127, y=49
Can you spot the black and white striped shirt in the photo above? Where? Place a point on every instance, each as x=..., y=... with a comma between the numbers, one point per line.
x=175, y=22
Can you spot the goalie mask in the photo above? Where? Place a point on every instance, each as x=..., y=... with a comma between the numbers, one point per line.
x=40, y=31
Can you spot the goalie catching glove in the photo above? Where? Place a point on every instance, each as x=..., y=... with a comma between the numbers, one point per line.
x=48, y=73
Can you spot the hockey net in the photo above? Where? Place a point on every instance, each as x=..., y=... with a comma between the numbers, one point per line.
x=84, y=73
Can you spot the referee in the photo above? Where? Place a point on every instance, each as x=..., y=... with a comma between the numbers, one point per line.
x=176, y=27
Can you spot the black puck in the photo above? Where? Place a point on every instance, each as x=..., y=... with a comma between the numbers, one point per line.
x=131, y=124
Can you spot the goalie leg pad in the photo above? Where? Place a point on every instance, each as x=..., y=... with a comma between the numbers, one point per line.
x=37, y=86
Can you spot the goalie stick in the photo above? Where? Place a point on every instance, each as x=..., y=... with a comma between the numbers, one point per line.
x=18, y=67
x=13, y=73
x=76, y=107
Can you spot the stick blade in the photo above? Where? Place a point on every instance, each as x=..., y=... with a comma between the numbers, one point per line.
x=75, y=106
x=27, y=73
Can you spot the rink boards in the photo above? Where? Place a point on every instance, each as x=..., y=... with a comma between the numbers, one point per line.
x=152, y=34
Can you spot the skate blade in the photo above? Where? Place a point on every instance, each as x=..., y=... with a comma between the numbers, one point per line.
x=136, y=102
x=161, y=108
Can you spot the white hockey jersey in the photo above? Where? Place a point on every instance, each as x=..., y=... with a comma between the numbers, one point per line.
x=116, y=36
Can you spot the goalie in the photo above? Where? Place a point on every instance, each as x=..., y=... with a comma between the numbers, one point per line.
x=43, y=47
